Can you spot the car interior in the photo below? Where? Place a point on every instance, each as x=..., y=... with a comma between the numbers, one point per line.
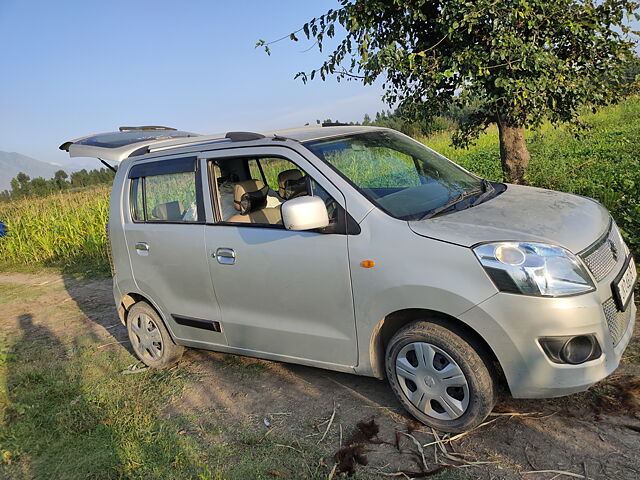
x=245, y=194
x=170, y=211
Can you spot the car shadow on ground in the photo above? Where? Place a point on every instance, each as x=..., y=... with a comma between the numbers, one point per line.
x=94, y=297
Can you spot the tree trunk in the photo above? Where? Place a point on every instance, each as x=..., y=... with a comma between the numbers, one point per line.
x=513, y=153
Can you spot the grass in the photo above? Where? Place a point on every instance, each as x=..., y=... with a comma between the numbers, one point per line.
x=67, y=229
x=16, y=291
x=66, y=411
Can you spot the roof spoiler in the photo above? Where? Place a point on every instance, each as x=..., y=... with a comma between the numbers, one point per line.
x=139, y=140
x=142, y=128
x=147, y=128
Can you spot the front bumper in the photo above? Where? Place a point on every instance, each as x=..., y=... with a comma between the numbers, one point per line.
x=512, y=324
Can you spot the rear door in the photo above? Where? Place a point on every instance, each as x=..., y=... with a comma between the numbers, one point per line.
x=282, y=292
x=166, y=244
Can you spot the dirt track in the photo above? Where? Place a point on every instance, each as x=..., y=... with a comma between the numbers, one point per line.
x=593, y=434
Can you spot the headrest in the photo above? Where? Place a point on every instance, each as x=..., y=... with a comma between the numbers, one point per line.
x=249, y=196
x=241, y=188
x=295, y=188
x=293, y=174
x=171, y=211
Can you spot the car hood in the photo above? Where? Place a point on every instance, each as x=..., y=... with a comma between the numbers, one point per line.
x=522, y=214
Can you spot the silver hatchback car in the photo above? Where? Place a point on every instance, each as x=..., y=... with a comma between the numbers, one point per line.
x=360, y=250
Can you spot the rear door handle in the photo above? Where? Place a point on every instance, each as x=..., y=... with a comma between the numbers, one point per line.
x=225, y=256
x=142, y=248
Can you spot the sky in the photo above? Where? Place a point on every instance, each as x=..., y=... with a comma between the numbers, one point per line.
x=72, y=68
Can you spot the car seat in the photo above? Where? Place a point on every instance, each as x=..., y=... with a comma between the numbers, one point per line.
x=254, y=193
x=291, y=184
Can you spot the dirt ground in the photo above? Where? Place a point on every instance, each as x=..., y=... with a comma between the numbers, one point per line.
x=589, y=435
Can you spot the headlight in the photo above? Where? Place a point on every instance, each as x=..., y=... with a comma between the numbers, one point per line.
x=534, y=269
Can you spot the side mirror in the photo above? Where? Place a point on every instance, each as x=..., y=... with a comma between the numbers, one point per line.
x=304, y=213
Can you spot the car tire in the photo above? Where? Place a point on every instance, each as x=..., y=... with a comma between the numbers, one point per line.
x=453, y=388
x=149, y=337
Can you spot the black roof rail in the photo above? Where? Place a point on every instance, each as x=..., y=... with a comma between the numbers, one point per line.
x=146, y=128
x=334, y=124
x=243, y=136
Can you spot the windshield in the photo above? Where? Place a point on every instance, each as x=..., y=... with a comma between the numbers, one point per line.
x=402, y=177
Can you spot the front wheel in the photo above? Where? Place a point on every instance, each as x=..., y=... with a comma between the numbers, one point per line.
x=440, y=377
x=149, y=337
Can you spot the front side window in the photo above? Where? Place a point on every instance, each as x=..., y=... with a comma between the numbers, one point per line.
x=252, y=190
x=165, y=198
x=405, y=179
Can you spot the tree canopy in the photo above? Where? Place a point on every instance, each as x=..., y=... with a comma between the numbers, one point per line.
x=517, y=62
x=24, y=186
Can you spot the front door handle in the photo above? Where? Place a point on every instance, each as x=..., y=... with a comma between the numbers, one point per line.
x=225, y=256
x=142, y=248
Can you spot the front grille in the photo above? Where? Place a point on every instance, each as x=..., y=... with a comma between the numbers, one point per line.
x=616, y=320
x=603, y=255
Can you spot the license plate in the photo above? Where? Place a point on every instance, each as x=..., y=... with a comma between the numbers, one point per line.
x=623, y=284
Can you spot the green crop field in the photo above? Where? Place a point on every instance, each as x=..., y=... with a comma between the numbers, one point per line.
x=67, y=229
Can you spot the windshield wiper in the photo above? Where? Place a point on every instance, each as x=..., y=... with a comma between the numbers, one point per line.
x=487, y=191
x=455, y=200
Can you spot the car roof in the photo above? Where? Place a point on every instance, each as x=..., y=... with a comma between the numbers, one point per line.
x=117, y=146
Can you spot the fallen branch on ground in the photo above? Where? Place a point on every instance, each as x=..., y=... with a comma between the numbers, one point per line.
x=513, y=414
x=559, y=472
x=288, y=446
x=113, y=343
x=460, y=435
x=333, y=415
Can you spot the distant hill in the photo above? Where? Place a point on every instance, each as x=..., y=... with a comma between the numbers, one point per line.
x=12, y=163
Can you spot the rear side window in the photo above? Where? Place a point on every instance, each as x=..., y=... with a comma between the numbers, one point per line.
x=137, y=202
x=170, y=196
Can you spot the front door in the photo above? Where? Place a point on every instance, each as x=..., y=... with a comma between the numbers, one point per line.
x=280, y=292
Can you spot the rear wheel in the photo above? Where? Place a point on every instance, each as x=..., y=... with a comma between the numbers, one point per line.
x=441, y=378
x=149, y=337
